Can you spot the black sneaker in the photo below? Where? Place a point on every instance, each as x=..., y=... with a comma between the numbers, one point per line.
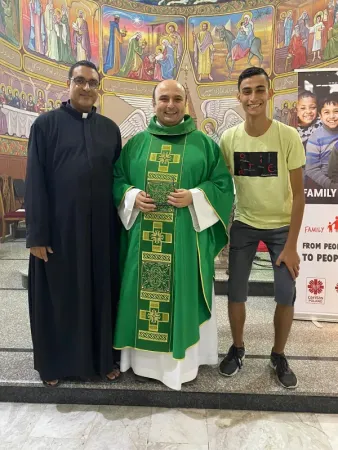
x=285, y=375
x=233, y=362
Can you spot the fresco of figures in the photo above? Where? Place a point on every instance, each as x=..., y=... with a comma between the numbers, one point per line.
x=285, y=108
x=142, y=47
x=53, y=30
x=306, y=35
x=221, y=47
x=210, y=49
x=183, y=2
x=23, y=99
x=10, y=21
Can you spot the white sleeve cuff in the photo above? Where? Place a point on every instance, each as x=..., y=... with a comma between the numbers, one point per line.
x=127, y=212
x=202, y=214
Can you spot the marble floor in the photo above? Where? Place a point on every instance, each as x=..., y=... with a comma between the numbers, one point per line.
x=71, y=427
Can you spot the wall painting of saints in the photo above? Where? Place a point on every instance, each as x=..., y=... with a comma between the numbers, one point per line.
x=221, y=47
x=306, y=34
x=63, y=34
x=141, y=47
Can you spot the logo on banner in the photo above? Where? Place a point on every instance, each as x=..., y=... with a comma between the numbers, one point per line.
x=333, y=225
x=315, y=291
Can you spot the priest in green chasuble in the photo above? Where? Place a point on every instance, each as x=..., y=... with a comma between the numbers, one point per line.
x=174, y=196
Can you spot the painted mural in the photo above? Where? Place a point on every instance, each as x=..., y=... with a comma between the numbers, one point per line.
x=221, y=47
x=10, y=21
x=142, y=47
x=22, y=99
x=285, y=108
x=204, y=44
x=305, y=36
x=61, y=33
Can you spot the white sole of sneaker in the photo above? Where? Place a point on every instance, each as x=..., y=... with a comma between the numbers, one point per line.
x=285, y=387
x=233, y=374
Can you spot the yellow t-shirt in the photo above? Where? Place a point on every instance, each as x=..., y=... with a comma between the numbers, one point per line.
x=260, y=167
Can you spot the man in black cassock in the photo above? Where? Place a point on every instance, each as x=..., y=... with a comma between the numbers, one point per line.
x=72, y=233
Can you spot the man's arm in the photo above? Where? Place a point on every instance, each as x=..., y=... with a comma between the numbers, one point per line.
x=118, y=147
x=296, y=179
x=128, y=199
x=210, y=201
x=289, y=255
x=226, y=152
x=36, y=198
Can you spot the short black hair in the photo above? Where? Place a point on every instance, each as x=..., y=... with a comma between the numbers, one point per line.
x=252, y=72
x=331, y=99
x=306, y=94
x=154, y=92
x=82, y=63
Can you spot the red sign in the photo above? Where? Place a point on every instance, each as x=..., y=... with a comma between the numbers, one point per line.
x=316, y=286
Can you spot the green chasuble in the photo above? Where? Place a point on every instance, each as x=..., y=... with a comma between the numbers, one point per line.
x=167, y=267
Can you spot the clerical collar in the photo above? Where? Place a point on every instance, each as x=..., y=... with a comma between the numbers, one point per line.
x=186, y=126
x=78, y=115
x=160, y=125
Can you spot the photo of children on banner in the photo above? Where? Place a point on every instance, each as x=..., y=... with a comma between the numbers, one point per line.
x=307, y=115
x=317, y=112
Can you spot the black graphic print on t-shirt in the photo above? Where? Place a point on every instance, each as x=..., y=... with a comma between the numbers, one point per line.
x=256, y=164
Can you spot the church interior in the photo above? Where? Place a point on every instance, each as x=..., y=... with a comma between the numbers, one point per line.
x=249, y=411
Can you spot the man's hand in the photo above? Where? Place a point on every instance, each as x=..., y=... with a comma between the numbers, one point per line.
x=144, y=202
x=291, y=259
x=180, y=198
x=41, y=252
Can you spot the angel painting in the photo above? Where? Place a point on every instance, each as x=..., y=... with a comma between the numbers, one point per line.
x=219, y=116
x=209, y=126
x=139, y=119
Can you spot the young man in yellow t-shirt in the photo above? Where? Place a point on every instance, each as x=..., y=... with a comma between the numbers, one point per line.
x=265, y=158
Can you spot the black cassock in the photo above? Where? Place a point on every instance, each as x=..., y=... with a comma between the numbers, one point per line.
x=72, y=297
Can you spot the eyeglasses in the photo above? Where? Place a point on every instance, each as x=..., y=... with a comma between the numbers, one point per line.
x=82, y=82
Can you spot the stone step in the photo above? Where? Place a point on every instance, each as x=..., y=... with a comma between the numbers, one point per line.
x=254, y=388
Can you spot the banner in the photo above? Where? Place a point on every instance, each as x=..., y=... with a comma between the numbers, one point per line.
x=317, y=113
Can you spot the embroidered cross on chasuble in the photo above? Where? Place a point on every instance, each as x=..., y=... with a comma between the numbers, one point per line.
x=156, y=256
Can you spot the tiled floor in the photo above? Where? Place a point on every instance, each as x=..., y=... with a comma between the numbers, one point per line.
x=65, y=427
